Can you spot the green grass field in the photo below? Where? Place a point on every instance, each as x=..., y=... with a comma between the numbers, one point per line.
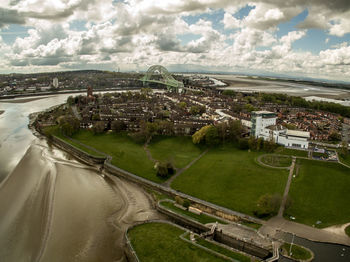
x=231, y=178
x=54, y=130
x=345, y=160
x=320, y=192
x=161, y=242
x=126, y=154
x=290, y=152
x=347, y=230
x=227, y=252
x=178, y=150
x=298, y=252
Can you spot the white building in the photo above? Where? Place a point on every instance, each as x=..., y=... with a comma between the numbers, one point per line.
x=55, y=82
x=264, y=126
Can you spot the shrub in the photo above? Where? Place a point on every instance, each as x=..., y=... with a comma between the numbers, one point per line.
x=179, y=200
x=186, y=203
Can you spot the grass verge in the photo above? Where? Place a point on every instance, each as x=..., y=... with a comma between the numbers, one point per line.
x=298, y=252
x=202, y=218
x=347, y=230
x=227, y=252
x=291, y=152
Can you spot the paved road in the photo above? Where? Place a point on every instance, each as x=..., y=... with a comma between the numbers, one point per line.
x=286, y=190
x=276, y=225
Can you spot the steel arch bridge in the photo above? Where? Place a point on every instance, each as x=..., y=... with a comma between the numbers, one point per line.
x=166, y=78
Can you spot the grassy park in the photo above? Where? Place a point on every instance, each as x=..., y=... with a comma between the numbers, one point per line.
x=320, y=192
x=179, y=150
x=231, y=178
x=162, y=242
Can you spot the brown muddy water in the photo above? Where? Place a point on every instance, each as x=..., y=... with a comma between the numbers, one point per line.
x=54, y=208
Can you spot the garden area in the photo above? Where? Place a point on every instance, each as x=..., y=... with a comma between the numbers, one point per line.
x=161, y=242
x=231, y=178
x=296, y=252
x=320, y=194
x=276, y=160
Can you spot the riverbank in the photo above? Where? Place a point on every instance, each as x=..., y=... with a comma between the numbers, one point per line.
x=65, y=92
x=46, y=186
x=23, y=100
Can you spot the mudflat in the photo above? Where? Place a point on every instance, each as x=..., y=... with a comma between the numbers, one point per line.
x=54, y=208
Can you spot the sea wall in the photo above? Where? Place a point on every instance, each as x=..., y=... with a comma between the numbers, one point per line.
x=78, y=153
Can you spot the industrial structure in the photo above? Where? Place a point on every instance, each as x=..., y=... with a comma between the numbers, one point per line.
x=160, y=75
x=264, y=126
x=55, y=82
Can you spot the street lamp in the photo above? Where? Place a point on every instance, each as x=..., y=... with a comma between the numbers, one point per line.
x=291, y=244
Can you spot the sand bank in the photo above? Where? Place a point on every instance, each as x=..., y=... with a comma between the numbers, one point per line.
x=22, y=100
x=56, y=209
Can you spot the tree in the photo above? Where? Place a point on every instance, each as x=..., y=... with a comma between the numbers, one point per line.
x=269, y=146
x=98, y=127
x=235, y=130
x=165, y=128
x=243, y=144
x=199, y=136
x=197, y=110
x=268, y=205
x=334, y=136
x=212, y=136
x=118, y=125
x=69, y=125
x=70, y=100
x=182, y=105
x=164, y=169
x=344, y=152
x=96, y=117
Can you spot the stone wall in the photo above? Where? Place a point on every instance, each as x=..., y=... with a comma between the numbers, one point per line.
x=81, y=155
x=245, y=247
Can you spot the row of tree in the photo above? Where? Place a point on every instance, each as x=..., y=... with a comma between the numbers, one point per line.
x=231, y=132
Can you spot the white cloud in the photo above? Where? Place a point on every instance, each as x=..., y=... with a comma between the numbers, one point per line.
x=230, y=22
x=134, y=34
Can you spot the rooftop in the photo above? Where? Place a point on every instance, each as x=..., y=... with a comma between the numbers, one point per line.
x=298, y=133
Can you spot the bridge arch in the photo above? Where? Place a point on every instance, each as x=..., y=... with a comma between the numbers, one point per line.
x=166, y=78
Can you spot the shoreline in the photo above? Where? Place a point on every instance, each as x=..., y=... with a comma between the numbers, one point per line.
x=64, y=92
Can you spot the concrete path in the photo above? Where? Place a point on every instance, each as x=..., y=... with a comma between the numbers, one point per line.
x=286, y=190
x=180, y=171
x=276, y=225
x=258, y=159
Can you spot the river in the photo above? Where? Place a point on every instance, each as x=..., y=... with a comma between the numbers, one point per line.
x=53, y=208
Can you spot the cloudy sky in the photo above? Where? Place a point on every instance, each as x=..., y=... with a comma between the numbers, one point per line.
x=285, y=37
